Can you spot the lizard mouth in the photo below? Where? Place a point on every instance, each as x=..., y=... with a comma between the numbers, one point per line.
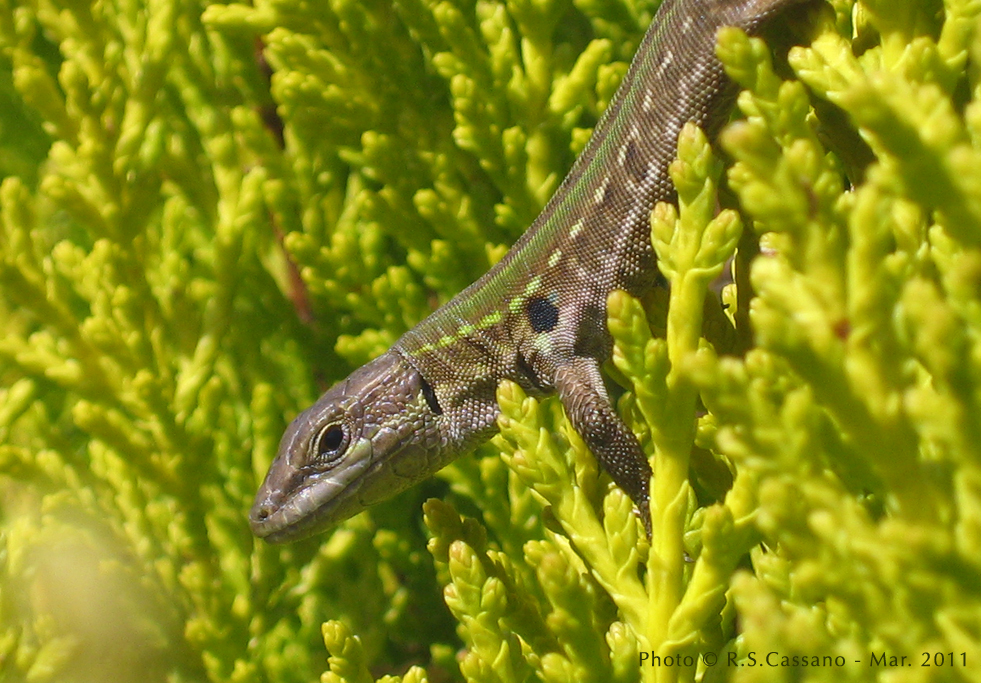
x=292, y=503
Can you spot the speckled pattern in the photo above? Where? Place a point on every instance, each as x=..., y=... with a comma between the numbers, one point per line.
x=537, y=318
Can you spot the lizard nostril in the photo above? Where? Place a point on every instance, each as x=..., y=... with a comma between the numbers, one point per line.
x=261, y=512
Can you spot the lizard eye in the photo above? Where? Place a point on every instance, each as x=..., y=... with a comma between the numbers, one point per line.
x=330, y=443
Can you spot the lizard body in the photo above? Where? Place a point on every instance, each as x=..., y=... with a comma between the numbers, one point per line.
x=538, y=317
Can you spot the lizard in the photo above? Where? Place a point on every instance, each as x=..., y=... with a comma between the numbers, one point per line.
x=538, y=317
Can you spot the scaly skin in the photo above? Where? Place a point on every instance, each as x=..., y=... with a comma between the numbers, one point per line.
x=537, y=318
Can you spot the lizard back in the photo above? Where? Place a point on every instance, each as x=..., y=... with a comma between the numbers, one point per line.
x=545, y=301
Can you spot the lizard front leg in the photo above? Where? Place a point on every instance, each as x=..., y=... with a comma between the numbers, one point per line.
x=588, y=407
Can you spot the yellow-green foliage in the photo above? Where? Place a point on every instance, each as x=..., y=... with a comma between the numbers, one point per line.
x=180, y=276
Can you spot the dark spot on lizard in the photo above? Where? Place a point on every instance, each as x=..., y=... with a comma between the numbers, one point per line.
x=542, y=314
x=532, y=380
x=587, y=343
x=633, y=162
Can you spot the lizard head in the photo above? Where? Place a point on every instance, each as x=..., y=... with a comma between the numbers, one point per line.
x=366, y=439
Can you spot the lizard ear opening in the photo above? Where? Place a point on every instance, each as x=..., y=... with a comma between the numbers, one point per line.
x=430, y=396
